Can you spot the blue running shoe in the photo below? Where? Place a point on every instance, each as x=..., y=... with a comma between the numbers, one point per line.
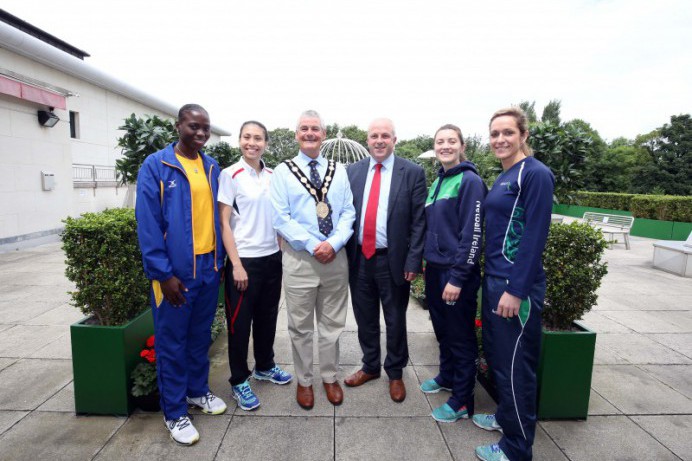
x=275, y=375
x=491, y=453
x=242, y=393
x=445, y=414
x=486, y=422
x=431, y=387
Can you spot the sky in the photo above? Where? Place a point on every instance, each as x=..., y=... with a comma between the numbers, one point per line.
x=624, y=66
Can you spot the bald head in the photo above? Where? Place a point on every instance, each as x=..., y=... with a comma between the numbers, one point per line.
x=381, y=139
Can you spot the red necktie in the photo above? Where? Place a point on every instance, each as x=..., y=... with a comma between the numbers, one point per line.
x=370, y=224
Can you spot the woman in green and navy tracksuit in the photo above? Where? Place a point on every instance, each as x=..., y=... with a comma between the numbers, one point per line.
x=517, y=219
x=453, y=213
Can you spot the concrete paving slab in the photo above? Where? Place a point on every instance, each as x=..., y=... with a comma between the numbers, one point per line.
x=299, y=438
x=4, y=363
x=483, y=402
x=669, y=301
x=63, y=400
x=4, y=327
x=599, y=323
x=606, y=356
x=600, y=406
x=678, y=377
x=21, y=311
x=38, y=380
x=639, y=349
x=463, y=437
x=389, y=439
x=58, y=436
x=61, y=348
x=55, y=295
x=651, y=322
x=372, y=399
x=10, y=418
x=64, y=314
x=606, y=437
x=350, y=353
x=635, y=392
x=671, y=431
x=679, y=342
x=423, y=349
x=417, y=318
x=23, y=340
x=144, y=436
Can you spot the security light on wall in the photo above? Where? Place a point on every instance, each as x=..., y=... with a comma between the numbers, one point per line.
x=47, y=119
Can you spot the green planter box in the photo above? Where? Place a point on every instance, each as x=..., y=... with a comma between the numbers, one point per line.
x=102, y=360
x=564, y=373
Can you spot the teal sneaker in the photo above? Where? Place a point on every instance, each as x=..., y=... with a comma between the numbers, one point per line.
x=491, y=453
x=486, y=422
x=431, y=387
x=242, y=393
x=275, y=375
x=445, y=414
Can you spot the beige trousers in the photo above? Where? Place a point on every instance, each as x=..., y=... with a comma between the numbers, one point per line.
x=315, y=291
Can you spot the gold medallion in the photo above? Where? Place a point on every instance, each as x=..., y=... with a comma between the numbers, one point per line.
x=322, y=210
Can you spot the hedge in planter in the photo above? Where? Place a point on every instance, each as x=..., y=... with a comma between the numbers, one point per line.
x=574, y=271
x=104, y=262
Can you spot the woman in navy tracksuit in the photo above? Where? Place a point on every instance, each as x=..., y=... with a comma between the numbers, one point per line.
x=517, y=219
x=453, y=213
x=180, y=238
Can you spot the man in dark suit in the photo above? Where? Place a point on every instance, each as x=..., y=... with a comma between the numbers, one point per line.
x=385, y=252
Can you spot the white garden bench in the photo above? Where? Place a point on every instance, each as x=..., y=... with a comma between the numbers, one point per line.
x=611, y=224
x=674, y=256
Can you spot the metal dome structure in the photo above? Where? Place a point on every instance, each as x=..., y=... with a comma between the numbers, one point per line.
x=343, y=150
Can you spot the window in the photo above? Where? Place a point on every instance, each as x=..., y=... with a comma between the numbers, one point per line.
x=74, y=125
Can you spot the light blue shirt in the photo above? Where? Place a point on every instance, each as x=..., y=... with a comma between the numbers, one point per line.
x=383, y=202
x=295, y=214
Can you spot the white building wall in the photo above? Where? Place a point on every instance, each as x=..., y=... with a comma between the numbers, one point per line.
x=26, y=149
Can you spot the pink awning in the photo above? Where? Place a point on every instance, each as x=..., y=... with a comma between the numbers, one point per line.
x=31, y=93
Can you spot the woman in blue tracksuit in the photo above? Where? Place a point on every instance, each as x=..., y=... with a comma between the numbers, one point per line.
x=517, y=219
x=180, y=237
x=453, y=213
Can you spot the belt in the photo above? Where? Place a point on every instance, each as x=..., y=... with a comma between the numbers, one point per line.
x=378, y=251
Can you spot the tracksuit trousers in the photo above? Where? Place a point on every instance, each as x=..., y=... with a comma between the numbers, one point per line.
x=454, y=328
x=257, y=307
x=183, y=337
x=512, y=347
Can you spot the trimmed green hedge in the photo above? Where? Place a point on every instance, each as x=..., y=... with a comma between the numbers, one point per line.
x=660, y=207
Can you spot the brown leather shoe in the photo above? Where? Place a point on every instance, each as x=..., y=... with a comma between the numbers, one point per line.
x=334, y=393
x=305, y=397
x=359, y=378
x=397, y=390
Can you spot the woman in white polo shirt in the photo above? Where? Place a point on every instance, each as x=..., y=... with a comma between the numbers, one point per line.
x=253, y=271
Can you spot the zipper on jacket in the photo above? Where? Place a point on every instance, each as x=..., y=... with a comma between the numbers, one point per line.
x=213, y=215
x=192, y=217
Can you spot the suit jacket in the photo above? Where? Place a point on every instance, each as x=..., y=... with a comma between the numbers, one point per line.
x=405, y=216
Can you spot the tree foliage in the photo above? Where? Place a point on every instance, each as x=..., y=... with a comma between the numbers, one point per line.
x=282, y=146
x=143, y=136
x=669, y=149
x=223, y=153
x=351, y=132
x=563, y=148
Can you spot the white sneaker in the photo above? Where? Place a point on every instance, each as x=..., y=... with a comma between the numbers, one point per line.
x=182, y=430
x=209, y=404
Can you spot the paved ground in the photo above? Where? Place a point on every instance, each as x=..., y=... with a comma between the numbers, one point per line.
x=641, y=401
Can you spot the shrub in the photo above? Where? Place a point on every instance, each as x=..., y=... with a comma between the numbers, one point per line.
x=663, y=207
x=104, y=262
x=609, y=200
x=573, y=267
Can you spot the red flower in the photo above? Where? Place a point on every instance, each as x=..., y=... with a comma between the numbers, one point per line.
x=149, y=355
x=150, y=341
x=479, y=324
